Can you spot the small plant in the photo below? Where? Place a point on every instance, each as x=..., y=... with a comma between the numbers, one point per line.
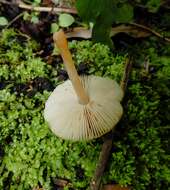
x=64, y=20
x=3, y=21
x=109, y=12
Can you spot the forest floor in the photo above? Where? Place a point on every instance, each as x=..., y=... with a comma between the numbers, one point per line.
x=31, y=156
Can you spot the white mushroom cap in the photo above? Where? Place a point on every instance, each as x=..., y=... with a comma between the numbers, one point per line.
x=69, y=119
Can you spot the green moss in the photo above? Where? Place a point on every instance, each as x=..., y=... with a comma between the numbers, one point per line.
x=34, y=156
x=17, y=59
x=98, y=58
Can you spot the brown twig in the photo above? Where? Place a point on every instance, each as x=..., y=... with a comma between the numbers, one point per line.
x=125, y=77
x=103, y=159
x=108, y=138
x=54, y=10
x=15, y=19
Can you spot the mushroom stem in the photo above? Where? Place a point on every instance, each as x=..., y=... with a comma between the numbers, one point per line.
x=61, y=42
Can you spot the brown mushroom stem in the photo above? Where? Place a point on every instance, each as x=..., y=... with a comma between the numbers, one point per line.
x=61, y=42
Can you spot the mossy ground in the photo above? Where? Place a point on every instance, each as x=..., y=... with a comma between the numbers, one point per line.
x=32, y=156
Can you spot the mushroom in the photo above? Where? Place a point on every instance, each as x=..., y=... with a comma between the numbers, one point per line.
x=84, y=107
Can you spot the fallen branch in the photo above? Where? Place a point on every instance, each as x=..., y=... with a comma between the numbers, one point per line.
x=54, y=10
x=108, y=138
x=125, y=77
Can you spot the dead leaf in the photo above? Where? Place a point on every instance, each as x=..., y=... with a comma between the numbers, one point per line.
x=115, y=187
x=37, y=188
x=131, y=30
x=61, y=182
x=80, y=32
x=47, y=3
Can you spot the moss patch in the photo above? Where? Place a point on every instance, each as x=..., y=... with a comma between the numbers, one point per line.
x=32, y=156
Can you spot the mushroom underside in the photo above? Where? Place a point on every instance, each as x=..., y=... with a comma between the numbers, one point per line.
x=69, y=119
